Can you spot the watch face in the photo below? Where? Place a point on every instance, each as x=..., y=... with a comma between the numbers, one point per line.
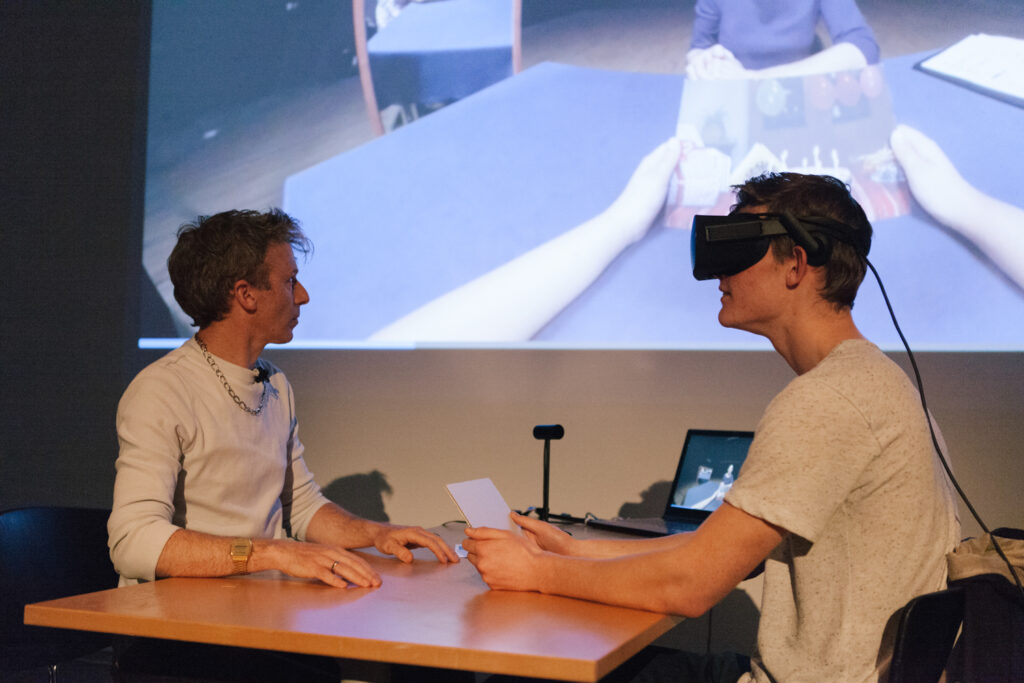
x=241, y=547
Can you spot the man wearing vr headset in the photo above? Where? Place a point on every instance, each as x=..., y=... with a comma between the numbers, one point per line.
x=842, y=495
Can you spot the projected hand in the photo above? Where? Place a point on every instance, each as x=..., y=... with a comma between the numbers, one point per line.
x=634, y=210
x=715, y=62
x=934, y=181
x=993, y=226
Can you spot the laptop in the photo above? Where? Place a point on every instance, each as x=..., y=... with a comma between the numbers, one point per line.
x=708, y=465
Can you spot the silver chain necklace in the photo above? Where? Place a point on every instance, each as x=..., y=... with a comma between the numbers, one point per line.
x=224, y=380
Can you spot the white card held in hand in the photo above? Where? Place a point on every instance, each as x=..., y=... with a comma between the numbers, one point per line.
x=481, y=504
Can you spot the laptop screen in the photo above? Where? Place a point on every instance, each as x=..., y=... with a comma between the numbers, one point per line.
x=710, y=461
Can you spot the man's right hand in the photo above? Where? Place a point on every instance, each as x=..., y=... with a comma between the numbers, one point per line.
x=333, y=566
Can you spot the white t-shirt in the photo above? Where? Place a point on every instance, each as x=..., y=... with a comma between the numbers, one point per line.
x=843, y=461
x=190, y=458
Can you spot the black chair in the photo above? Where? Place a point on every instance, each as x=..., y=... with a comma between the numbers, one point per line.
x=47, y=553
x=925, y=635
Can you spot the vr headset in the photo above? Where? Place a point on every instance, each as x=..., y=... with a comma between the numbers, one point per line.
x=725, y=245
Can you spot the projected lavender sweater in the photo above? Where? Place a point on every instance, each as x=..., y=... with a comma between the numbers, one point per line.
x=763, y=33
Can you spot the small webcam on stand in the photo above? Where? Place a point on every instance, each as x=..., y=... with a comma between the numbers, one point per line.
x=547, y=433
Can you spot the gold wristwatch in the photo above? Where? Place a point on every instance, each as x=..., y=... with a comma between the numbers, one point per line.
x=241, y=550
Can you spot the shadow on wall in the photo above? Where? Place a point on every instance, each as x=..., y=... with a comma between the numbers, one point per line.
x=652, y=501
x=361, y=494
x=735, y=624
x=731, y=626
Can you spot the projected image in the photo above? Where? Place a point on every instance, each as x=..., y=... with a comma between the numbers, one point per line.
x=543, y=207
x=825, y=124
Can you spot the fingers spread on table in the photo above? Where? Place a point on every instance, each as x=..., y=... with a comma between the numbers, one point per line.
x=434, y=543
x=398, y=541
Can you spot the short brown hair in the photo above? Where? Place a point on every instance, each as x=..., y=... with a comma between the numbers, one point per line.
x=813, y=195
x=215, y=252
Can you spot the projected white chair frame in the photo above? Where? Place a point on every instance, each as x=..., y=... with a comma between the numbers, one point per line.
x=363, y=55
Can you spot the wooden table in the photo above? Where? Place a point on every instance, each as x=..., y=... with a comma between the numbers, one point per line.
x=424, y=614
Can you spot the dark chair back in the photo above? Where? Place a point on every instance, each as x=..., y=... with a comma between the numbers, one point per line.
x=925, y=635
x=47, y=553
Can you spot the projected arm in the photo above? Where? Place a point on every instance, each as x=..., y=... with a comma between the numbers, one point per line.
x=995, y=227
x=514, y=301
x=838, y=57
x=717, y=62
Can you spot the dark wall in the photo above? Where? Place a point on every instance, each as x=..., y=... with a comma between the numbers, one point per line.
x=535, y=11
x=73, y=82
x=240, y=51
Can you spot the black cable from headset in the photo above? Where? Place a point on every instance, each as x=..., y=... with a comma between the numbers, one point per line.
x=935, y=441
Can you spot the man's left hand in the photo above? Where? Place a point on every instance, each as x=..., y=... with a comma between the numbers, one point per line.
x=397, y=540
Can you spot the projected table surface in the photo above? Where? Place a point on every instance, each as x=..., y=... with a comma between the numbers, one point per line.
x=423, y=614
x=410, y=216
